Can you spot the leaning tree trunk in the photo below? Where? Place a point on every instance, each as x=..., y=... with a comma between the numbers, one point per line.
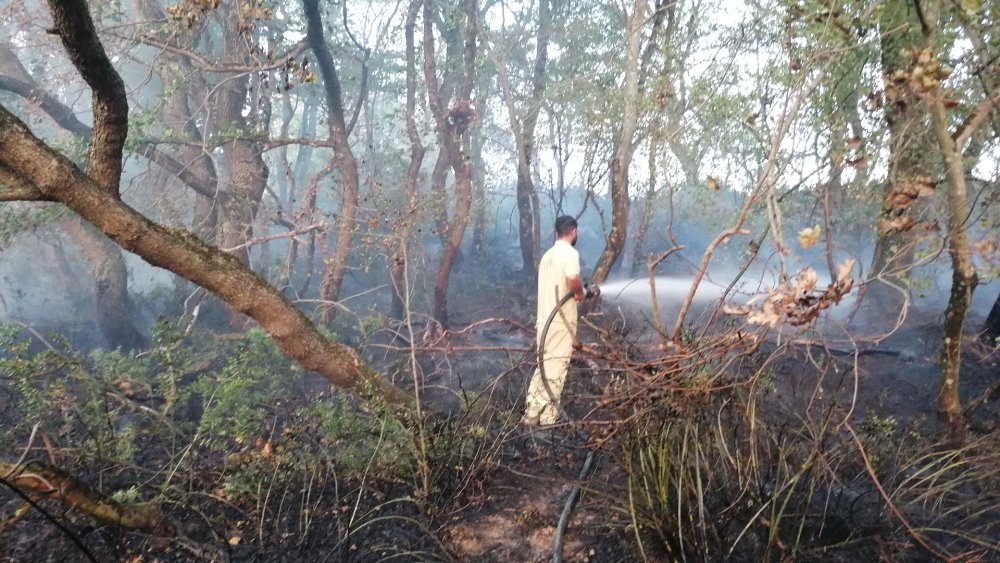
x=40, y=174
x=31, y=171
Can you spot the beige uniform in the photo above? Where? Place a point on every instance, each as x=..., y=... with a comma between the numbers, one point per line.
x=562, y=261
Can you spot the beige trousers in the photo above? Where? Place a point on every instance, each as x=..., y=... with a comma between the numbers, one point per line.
x=540, y=406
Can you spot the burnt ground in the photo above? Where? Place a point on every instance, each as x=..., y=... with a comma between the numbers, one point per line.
x=510, y=511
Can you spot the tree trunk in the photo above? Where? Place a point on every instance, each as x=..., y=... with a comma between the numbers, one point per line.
x=107, y=141
x=333, y=278
x=638, y=252
x=964, y=279
x=625, y=147
x=523, y=126
x=909, y=143
x=398, y=261
x=452, y=126
x=111, y=297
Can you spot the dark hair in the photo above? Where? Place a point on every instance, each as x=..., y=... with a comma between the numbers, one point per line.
x=564, y=225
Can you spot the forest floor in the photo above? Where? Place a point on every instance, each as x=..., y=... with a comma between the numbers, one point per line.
x=510, y=510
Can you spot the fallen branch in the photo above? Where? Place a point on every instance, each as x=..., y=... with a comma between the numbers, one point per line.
x=52, y=483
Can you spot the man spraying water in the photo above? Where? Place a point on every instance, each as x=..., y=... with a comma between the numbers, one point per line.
x=558, y=280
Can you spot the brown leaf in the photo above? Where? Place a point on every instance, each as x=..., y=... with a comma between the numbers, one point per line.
x=766, y=315
x=897, y=225
x=844, y=270
x=809, y=236
x=807, y=280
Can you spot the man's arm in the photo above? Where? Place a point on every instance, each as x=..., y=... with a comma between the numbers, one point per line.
x=576, y=286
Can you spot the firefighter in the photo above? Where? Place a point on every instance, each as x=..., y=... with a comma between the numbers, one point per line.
x=558, y=277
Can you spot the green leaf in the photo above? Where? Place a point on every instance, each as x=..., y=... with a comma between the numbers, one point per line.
x=971, y=7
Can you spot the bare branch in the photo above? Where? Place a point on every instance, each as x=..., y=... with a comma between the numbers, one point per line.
x=290, y=234
x=62, y=114
x=974, y=121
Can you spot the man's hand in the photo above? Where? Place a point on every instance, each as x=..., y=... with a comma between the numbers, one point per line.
x=593, y=291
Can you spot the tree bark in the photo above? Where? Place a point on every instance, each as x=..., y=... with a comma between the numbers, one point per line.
x=639, y=259
x=107, y=140
x=964, y=278
x=623, y=153
x=452, y=126
x=188, y=256
x=523, y=127
x=333, y=277
x=52, y=483
x=909, y=143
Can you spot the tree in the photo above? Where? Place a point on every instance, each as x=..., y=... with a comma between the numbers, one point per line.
x=522, y=124
x=32, y=171
x=910, y=141
x=951, y=146
x=344, y=158
x=111, y=296
x=398, y=261
x=452, y=126
x=637, y=63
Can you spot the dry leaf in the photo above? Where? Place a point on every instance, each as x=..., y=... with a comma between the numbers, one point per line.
x=713, y=184
x=809, y=236
x=986, y=247
x=766, y=315
x=897, y=225
x=235, y=540
x=844, y=271
x=807, y=280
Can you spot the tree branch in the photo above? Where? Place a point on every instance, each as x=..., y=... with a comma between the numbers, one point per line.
x=54, y=484
x=110, y=105
x=191, y=258
x=63, y=115
x=16, y=188
x=974, y=121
